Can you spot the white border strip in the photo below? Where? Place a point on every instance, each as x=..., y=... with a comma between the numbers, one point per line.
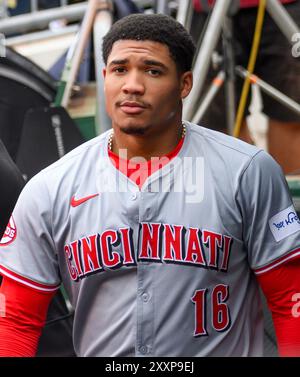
x=5, y=273
x=268, y=268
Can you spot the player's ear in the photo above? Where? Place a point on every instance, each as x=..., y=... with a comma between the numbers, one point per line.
x=186, y=83
x=104, y=72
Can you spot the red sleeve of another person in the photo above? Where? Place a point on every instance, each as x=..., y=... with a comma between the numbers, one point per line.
x=23, y=313
x=281, y=287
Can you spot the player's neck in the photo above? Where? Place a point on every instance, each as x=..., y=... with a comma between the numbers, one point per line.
x=146, y=146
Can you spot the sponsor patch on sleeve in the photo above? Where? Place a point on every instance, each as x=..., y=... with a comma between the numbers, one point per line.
x=10, y=233
x=284, y=223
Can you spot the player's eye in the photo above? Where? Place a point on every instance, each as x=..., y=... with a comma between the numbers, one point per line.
x=119, y=69
x=154, y=72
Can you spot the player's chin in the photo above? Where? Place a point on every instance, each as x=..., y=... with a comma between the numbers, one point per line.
x=134, y=128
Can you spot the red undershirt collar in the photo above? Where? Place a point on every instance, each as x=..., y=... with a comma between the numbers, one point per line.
x=138, y=172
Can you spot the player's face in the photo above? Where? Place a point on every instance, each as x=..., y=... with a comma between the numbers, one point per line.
x=143, y=88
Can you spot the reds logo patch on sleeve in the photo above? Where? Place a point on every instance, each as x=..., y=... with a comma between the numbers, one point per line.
x=10, y=233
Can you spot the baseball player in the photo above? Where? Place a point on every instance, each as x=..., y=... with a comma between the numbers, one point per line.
x=160, y=230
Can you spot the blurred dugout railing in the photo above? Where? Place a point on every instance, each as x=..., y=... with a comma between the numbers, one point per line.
x=38, y=18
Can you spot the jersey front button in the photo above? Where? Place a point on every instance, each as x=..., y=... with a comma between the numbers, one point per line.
x=133, y=196
x=145, y=297
x=143, y=350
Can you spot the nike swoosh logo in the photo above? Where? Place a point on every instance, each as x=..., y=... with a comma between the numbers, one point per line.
x=78, y=202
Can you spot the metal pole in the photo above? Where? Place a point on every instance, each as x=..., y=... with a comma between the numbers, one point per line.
x=85, y=32
x=162, y=7
x=3, y=9
x=270, y=90
x=41, y=35
x=212, y=91
x=229, y=65
x=282, y=18
x=42, y=18
x=33, y=6
x=185, y=13
x=203, y=59
x=2, y=46
x=102, y=24
x=145, y=3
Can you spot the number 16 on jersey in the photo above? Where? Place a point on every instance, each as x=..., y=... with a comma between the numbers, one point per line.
x=220, y=315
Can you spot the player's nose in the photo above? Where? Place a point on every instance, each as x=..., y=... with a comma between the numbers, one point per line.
x=133, y=84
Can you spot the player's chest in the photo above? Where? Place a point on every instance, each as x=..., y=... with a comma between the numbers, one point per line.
x=121, y=230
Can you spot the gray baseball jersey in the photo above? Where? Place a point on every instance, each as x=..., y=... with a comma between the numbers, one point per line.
x=165, y=270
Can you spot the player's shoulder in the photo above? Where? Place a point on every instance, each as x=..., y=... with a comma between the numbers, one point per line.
x=227, y=153
x=221, y=141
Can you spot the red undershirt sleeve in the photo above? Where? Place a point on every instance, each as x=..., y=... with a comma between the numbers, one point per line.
x=281, y=286
x=23, y=314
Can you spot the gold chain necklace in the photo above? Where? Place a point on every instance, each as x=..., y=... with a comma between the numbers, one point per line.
x=112, y=135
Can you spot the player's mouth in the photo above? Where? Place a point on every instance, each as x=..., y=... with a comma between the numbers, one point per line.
x=132, y=107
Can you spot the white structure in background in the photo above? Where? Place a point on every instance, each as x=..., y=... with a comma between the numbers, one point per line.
x=257, y=120
x=2, y=46
x=46, y=47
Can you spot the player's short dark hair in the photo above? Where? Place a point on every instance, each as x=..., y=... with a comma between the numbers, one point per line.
x=157, y=28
